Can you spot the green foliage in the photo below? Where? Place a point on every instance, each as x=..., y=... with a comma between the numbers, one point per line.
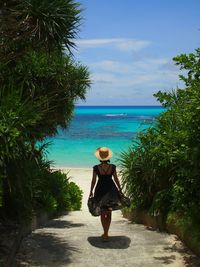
x=40, y=82
x=75, y=196
x=66, y=194
x=17, y=122
x=55, y=193
x=53, y=83
x=1, y=191
x=161, y=171
x=38, y=25
x=187, y=226
x=48, y=77
x=53, y=23
x=35, y=188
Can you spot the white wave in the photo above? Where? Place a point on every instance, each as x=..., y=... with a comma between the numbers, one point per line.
x=116, y=115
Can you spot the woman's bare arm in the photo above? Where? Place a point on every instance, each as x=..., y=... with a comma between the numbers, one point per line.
x=117, y=181
x=94, y=178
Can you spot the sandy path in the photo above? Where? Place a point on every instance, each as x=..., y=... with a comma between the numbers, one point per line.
x=74, y=240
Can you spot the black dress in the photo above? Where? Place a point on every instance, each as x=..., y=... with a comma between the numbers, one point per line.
x=106, y=193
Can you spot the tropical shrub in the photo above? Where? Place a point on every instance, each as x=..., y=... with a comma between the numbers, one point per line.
x=63, y=194
x=160, y=171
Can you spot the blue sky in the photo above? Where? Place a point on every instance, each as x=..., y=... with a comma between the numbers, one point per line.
x=128, y=47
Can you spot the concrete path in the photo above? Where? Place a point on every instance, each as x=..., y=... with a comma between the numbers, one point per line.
x=74, y=240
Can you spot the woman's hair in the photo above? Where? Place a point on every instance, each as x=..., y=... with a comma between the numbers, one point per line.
x=104, y=161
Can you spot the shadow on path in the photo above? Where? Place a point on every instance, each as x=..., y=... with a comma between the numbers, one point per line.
x=166, y=259
x=44, y=248
x=114, y=242
x=190, y=259
x=62, y=224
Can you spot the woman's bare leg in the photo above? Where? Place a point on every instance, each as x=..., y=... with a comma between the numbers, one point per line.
x=103, y=220
x=106, y=220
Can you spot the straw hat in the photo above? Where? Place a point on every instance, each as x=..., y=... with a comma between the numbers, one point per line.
x=103, y=153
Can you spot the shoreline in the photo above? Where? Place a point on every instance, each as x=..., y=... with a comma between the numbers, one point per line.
x=71, y=168
x=78, y=169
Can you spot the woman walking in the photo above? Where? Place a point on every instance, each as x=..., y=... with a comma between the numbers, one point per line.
x=107, y=191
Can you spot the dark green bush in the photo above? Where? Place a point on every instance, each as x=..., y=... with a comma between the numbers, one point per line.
x=75, y=196
x=67, y=195
x=34, y=188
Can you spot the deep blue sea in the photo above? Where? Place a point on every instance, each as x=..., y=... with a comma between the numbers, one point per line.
x=95, y=126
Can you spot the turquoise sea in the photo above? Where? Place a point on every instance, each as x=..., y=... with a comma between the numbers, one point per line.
x=95, y=126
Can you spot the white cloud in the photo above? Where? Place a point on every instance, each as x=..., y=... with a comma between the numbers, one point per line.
x=111, y=66
x=130, y=78
x=123, y=44
x=124, y=81
x=140, y=66
x=103, y=78
x=148, y=72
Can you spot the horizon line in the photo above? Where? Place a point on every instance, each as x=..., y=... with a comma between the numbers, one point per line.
x=118, y=105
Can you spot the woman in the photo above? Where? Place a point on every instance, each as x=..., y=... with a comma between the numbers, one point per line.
x=107, y=192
